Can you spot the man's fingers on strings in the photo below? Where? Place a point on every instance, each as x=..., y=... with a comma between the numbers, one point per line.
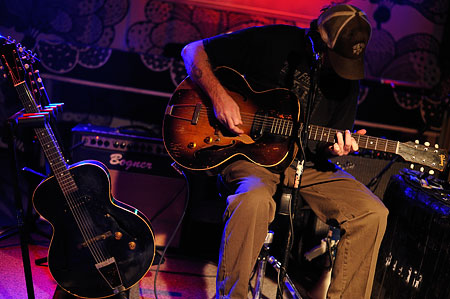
x=348, y=141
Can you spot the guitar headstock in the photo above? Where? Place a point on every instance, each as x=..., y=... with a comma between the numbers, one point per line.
x=426, y=155
x=21, y=65
x=11, y=60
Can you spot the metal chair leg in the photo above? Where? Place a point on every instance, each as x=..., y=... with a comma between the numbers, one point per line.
x=261, y=267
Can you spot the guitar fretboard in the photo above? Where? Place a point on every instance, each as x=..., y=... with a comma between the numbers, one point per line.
x=285, y=127
x=48, y=143
x=319, y=133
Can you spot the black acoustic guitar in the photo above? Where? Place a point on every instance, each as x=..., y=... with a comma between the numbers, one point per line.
x=100, y=246
x=197, y=141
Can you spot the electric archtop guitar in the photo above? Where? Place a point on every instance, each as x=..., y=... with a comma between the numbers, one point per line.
x=197, y=141
x=100, y=246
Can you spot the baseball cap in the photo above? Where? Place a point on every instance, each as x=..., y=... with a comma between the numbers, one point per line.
x=346, y=31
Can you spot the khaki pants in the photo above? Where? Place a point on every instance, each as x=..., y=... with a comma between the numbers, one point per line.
x=331, y=195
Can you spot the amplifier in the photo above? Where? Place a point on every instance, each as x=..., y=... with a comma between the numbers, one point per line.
x=122, y=151
x=371, y=168
x=141, y=174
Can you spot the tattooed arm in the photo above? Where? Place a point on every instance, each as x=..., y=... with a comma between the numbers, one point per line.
x=200, y=71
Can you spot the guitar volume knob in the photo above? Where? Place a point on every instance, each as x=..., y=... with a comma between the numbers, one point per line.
x=132, y=245
x=192, y=145
x=208, y=139
x=118, y=235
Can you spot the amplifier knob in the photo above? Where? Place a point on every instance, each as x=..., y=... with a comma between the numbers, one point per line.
x=116, y=144
x=106, y=143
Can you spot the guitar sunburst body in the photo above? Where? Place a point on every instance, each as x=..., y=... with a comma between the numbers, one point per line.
x=197, y=141
x=118, y=229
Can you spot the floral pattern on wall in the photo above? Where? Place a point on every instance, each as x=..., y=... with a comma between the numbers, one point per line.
x=405, y=46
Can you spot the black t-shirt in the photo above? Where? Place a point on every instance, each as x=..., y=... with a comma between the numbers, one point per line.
x=280, y=56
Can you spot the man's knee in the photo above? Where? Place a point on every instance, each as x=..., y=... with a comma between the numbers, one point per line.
x=254, y=201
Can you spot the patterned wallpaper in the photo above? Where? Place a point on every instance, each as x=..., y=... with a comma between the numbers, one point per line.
x=74, y=35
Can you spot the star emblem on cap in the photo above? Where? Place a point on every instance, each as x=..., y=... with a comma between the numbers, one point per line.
x=358, y=48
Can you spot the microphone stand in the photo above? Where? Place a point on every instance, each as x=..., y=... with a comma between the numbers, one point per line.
x=303, y=142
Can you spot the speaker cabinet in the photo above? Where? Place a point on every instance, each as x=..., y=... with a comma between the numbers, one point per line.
x=371, y=168
x=141, y=175
x=414, y=258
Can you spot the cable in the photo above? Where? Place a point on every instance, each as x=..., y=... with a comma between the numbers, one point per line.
x=161, y=210
x=175, y=230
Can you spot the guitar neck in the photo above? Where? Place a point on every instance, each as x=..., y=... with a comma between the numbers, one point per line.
x=48, y=143
x=319, y=133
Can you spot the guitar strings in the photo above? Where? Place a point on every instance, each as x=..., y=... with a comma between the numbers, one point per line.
x=286, y=125
x=79, y=216
x=73, y=197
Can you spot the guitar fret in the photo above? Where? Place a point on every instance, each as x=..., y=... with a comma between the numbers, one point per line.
x=328, y=135
x=284, y=130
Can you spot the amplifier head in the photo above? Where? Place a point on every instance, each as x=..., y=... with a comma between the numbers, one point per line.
x=121, y=151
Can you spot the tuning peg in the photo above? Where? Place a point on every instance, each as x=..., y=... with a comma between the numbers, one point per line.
x=436, y=145
x=431, y=172
x=411, y=166
x=427, y=143
x=422, y=169
x=416, y=141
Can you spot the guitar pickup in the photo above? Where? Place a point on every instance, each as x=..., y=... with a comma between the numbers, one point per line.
x=96, y=238
x=196, y=114
x=173, y=110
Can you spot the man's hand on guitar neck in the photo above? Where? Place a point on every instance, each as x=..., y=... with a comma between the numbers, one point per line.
x=345, y=144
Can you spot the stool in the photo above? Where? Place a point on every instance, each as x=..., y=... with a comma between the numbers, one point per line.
x=264, y=256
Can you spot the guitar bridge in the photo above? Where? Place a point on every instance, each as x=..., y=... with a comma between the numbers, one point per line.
x=110, y=272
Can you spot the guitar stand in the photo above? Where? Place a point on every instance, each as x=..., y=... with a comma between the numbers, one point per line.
x=16, y=121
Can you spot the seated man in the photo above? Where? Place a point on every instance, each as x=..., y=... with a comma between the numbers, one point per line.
x=281, y=56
